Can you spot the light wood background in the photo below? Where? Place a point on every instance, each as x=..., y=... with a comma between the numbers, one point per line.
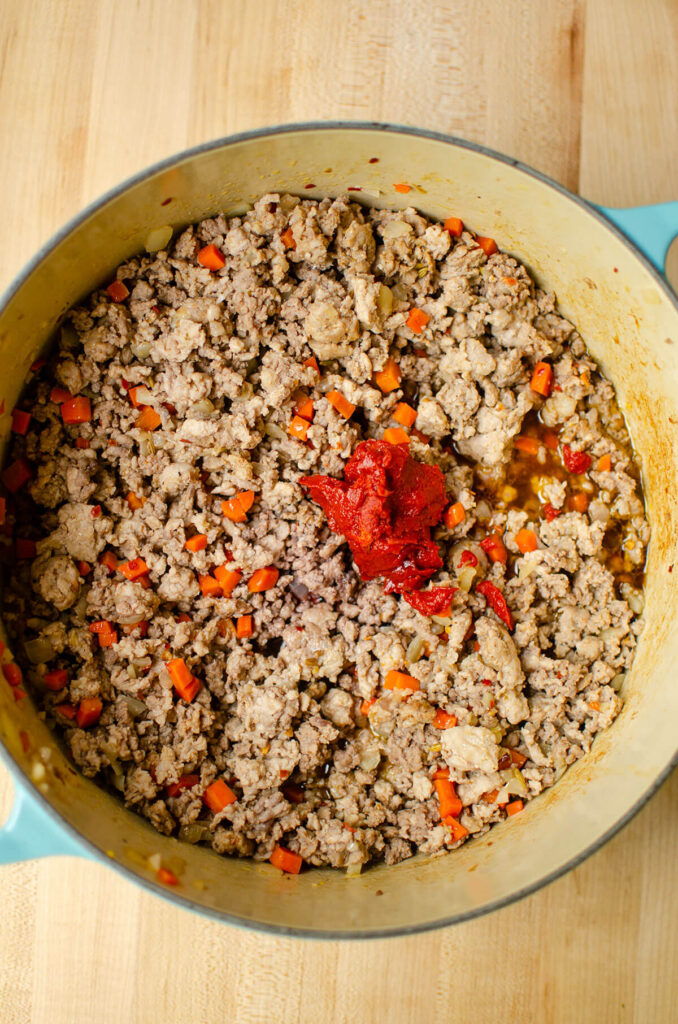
x=93, y=90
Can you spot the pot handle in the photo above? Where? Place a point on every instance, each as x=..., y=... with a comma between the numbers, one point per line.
x=30, y=832
x=652, y=228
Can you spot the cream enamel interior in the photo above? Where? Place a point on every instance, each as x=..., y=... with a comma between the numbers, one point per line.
x=630, y=324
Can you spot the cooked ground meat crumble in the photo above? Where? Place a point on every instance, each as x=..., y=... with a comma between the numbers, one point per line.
x=189, y=622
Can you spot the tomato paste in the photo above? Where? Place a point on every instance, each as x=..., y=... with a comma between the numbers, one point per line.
x=385, y=507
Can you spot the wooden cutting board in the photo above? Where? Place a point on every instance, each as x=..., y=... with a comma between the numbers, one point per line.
x=93, y=90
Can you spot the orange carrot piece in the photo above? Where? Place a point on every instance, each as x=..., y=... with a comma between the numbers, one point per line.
x=366, y=705
x=488, y=245
x=494, y=548
x=237, y=507
x=262, y=579
x=218, y=795
x=287, y=239
x=166, y=876
x=457, y=829
x=211, y=257
x=298, y=428
x=209, y=586
x=312, y=363
x=529, y=445
x=417, y=320
x=441, y=773
x=551, y=440
x=454, y=515
x=228, y=579
x=67, y=710
x=389, y=378
x=184, y=682
x=443, y=720
x=84, y=568
x=396, y=435
x=526, y=540
x=514, y=807
x=341, y=404
x=400, y=681
x=604, y=464
x=578, y=502
x=304, y=408
x=404, y=414
x=196, y=543
x=542, y=379
x=244, y=627
x=109, y=560
x=133, y=569
x=286, y=860
x=89, y=712
x=148, y=418
x=450, y=804
x=76, y=410
x=118, y=291
x=134, y=501
x=454, y=226
x=403, y=187
x=183, y=782
x=517, y=758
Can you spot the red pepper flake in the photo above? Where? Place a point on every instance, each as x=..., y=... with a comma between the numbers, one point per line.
x=373, y=160
x=576, y=462
x=496, y=601
x=354, y=188
x=96, y=511
x=167, y=201
x=310, y=185
x=550, y=513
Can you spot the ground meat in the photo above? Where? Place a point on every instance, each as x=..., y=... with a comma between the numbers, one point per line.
x=155, y=537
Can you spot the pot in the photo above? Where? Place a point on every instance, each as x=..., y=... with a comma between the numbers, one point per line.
x=614, y=292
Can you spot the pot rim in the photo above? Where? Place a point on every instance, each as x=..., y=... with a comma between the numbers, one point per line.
x=18, y=776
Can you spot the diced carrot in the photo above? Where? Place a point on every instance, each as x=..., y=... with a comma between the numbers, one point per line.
x=529, y=445
x=89, y=711
x=551, y=440
x=443, y=720
x=20, y=421
x=81, y=442
x=56, y=680
x=237, y=507
x=341, y=404
x=184, y=617
x=517, y=758
x=441, y=773
x=389, y=378
x=183, y=782
x=494, y=548
x=16, y=475
x=59, y=395
x=400, y=681
x=284, y=859
x=454, y=515
x=118, y=291
x=142, y=626
x=179, y=671
x=304, y=408
x=488, y=245
x=166, y=876
x=228, y=579
x=133, y=569
x=594, y=705
x=148, y=418
x=76, y=410
x=25, y=548
x=287, y=239
x=450, y=804
x=244, y=627
x=542, y=379
x=454, y=226
x=578, y=502
x=211, y=257
x=403, y=187
x=366, y=705
x=417, y=320
x=188, y=690
x=84, y=568
x=514, y=807
x=108, y=639
x=109, y=560
x=298, y=428
x=404, y=414
x=67, y=710
x=134, y=501
x=312, y=363
x=456, y=828
x=218, y=795
x=196, y=543
x=526, y=540
x=262, y=579
x=12, y=673
x=105, y=631
x=96, y=511
x=209, y=586
x=396, y=435
x=604, y=464
x=139, y=395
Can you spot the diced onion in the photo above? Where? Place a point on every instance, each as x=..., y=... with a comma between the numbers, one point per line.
x=130, y=620
x=158, y=238
x=201, y=410
x=146, y=445
x=39, y=650
x=636, y=601
x=385, y=300
x=155, y=861
x=141, y=349
x=415, y=650
x=396, y=229
x=353, y=870
x=514, y=782
x=195, y=832
x=136, y=707
x=618, y=681
x=274, y=431
x=466, y=577
x=370, y=759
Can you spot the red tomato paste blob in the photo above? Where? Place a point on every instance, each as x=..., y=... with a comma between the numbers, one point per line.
x=385, y=507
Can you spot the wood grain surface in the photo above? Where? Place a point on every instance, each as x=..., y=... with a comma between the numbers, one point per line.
x=93, y=90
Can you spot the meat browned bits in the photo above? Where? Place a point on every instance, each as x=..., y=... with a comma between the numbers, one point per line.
x=191, y=625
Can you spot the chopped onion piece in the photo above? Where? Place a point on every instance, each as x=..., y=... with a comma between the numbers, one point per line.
x=201, y=410
x=370, y=759
x=136, y=707
x=466, y=577
x=158, y=238
x=618, y=681
x=396, y=229
x=141, y=349
x=39, y=650
x=415, y=650
x=385, y=300
x=195, y=832
x=354, y=869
